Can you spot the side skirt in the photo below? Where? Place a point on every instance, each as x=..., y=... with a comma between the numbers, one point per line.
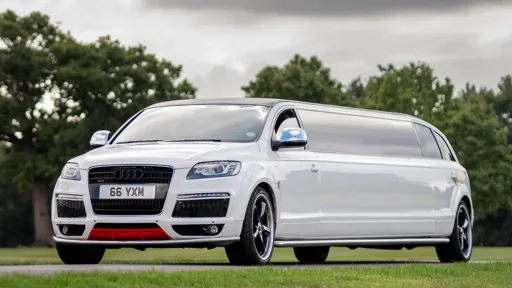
x=361, y=242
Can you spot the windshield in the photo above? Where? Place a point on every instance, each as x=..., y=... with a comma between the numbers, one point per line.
x=219, y=123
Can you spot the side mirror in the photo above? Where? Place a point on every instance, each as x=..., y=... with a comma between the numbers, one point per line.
x=99, y=138
x=291, y=137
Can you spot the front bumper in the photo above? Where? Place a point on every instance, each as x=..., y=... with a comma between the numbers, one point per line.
x=218, y=241
x=231, y=223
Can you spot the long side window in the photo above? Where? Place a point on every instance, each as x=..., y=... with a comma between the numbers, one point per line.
x=351, y=134
x=445, y=151
x=428, y=142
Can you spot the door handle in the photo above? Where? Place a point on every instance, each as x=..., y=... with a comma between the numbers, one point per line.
x=313, y=168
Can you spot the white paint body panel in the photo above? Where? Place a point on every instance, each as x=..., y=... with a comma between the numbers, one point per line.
x=349, y=197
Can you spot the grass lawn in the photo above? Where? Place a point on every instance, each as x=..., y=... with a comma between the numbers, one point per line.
x=457, y=275
x=18, y=256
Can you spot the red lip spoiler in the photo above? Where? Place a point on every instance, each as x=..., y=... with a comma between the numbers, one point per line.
x=128, y=234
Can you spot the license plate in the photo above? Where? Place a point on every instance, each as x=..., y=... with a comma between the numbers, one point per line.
x=127, y=192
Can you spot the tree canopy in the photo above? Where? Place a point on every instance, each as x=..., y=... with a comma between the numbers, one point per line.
x=300, y=79
x=55, y=91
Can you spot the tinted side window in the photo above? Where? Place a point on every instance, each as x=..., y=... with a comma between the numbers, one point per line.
x=427, y=141
x=351, y=134
x=445, y=151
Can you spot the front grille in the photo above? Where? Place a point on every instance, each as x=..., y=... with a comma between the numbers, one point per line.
x=70, y=208
x=201, y=208
x=127, y=206
x=144, y=174
x=152, y=175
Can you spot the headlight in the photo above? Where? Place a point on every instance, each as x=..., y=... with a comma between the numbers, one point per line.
x=71, y=171
x=214, y=169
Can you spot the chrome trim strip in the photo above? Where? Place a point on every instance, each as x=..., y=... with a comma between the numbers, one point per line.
x=370, y=242
x=205, y=195
x=72, y=197
x=202, y=198
x=147, y=243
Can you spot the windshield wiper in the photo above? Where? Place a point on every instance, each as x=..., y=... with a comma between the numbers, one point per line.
x=195, y=140
x=139, y=141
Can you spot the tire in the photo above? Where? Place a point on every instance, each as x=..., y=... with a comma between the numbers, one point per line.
x=311, y=255
x=256, y=244
x=79, y=254
x=460, y=247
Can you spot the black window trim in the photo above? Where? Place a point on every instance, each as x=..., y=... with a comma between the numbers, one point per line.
x=124, y=125
x=447, y=146
x=414, y=123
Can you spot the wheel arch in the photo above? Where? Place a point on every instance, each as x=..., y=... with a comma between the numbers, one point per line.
x=265, y=185
x=467, y=201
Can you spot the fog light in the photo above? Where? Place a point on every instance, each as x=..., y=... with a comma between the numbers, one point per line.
x=212, y=229
x=65, y=229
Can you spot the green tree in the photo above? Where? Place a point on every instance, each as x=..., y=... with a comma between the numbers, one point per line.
x=412, y=89
x=503, y=103
x=356, y=92
x=300, y=79
x=55, y=91
x=480, y=143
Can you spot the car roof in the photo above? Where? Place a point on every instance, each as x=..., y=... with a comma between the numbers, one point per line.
x=269, y=102
x=233, y=101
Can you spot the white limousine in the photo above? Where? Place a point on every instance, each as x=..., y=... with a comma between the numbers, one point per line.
x=253, y=174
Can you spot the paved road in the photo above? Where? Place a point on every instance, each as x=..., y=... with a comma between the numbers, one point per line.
x=52, y=269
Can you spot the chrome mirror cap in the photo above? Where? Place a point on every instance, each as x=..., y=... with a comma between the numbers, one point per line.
x=99, y=138
x=291, y=137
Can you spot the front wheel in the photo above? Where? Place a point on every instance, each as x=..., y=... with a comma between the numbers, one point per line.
x=79, y=254
x=256, y=243
x=460, y=247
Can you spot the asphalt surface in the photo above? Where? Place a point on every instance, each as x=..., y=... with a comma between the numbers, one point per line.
x=52, y=269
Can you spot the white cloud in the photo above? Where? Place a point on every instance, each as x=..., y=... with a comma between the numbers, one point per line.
x=220, y=54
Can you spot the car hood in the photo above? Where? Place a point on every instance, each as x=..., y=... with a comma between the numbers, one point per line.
x=177, y=155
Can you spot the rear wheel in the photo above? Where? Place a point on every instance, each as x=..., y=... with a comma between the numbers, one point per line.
x=256, y=243
x=311, y=255
x=460, y=247
x=79, y=254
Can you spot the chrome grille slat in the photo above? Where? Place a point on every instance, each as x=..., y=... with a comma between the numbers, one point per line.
x=152, y=175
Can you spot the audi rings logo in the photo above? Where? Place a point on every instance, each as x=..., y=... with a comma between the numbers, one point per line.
x=129, y=174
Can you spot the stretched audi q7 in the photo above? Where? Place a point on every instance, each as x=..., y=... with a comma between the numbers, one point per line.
x=252, y=174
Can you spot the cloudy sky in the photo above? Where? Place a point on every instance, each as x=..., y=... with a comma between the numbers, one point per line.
x=223, y=43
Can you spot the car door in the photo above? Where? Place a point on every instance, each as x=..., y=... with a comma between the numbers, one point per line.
x=298, y=184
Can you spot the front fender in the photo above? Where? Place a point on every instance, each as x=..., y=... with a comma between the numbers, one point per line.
x=257, y=174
